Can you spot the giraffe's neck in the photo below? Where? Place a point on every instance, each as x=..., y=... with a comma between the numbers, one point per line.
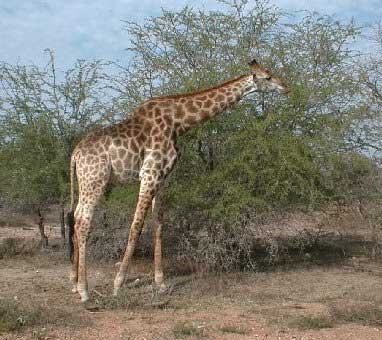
x=205, y=105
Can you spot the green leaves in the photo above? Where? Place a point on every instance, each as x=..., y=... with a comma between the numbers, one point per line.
x=266, y=152
x=42, y=115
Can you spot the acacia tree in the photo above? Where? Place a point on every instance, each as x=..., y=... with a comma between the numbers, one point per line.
x=266, y=151
x=368, y=131
x=42, y=114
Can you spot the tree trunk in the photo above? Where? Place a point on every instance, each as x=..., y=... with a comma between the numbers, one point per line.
x=62, y=225
x=105, y=221
x=44, y=238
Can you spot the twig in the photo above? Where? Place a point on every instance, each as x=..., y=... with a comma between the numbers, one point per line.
x=98, y=293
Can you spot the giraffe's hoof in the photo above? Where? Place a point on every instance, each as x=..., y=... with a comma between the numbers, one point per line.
x=84, y=295
x=118, y=281
x=90, y=306
x=162, y=288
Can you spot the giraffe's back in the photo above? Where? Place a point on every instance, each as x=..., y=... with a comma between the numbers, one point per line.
x=118, y=148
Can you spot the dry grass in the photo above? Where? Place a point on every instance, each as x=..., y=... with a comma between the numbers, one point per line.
x=359, y=313
x=186, y=329
x=311, y=322
x=294, y=298
x=14, y=317
x=230, y=305
x=12, y=246
x=234, y=330
x=364, y=314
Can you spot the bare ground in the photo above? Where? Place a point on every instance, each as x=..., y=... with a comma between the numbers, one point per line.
x=230, y=306
x=337, y=302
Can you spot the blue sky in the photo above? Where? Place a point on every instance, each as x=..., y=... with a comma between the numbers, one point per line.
x=92, y=29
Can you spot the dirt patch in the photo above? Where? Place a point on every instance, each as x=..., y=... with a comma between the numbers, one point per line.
x=337, y=302
x=229, y=306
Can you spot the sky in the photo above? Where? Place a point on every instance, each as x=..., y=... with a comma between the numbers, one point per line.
x=93, y=29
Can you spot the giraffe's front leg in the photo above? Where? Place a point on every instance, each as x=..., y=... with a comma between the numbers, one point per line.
x=82, y=232
x=157, y=209
x=81, y=229
x=146, y=194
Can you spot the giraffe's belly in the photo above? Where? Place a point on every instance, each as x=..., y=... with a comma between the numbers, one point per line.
x=126, y=169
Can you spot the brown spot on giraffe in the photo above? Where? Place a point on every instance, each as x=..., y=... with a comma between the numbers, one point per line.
x=122, y=153
x=157, y=112
x=140, y=148
x=190, y=107
x=133, y=146
x=167, y=119
x=204, y=115
x=190, y=120
x=150, y=105
x=155, y=131
x=179, y=112
x=220, y=98
x=208, y=103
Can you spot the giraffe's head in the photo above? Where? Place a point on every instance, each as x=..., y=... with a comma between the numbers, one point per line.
x=264, y=79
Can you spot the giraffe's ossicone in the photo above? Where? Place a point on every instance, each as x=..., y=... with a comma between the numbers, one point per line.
x=142, y=148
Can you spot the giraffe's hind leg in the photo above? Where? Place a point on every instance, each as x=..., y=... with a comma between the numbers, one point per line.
x=91, y=189
x=157, y=242
x=82, y=228
x=74, y=270
x=158, y=223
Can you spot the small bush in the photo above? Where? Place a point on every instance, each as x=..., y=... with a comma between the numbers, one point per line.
x=109, y=234
x=8, y=247
x=11, y=246
x=217, y=248
x=233, y=329
x=365, y=315
x=311, y=322
x=185, y=329
x=13, y=316
x=125, y=300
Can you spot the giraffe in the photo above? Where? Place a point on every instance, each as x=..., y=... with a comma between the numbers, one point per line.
x=143, y=148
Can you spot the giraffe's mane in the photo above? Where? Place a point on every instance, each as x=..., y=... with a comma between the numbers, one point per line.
x=205, y=91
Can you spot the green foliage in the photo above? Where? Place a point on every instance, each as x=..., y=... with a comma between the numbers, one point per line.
x=33, y=165
x=41, y=119
x=267, y=152
x=122, y=197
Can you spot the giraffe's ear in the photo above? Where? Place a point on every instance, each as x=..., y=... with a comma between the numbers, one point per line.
x=253, y=62
x=254, y=66
x=258, y=70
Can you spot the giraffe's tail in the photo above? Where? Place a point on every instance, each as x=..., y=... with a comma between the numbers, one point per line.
x=70, y=220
